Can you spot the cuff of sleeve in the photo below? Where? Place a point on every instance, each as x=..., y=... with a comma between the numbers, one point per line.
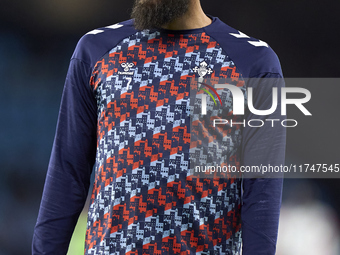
x=255, y=242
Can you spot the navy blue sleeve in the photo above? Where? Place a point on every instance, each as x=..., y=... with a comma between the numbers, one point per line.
x=73, y=155
x=263, y=145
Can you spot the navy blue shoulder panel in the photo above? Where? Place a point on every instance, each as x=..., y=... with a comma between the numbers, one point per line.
x=93, y=45
x=250, y=55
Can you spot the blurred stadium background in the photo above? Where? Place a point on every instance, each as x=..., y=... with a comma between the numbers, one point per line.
x=37, y=38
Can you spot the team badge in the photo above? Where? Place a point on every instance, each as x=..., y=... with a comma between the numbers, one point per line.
x=202, y=69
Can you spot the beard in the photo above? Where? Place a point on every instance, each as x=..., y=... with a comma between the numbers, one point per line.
x=149, y=14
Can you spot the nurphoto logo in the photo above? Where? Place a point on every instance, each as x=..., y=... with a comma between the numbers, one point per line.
x=238, y=103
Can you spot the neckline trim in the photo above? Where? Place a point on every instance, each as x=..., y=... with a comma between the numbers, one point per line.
x=188, y=31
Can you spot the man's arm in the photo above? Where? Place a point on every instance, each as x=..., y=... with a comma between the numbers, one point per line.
x=262, y=145
x=73, y=155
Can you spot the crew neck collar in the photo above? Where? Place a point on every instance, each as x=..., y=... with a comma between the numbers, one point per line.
x=188, y=31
